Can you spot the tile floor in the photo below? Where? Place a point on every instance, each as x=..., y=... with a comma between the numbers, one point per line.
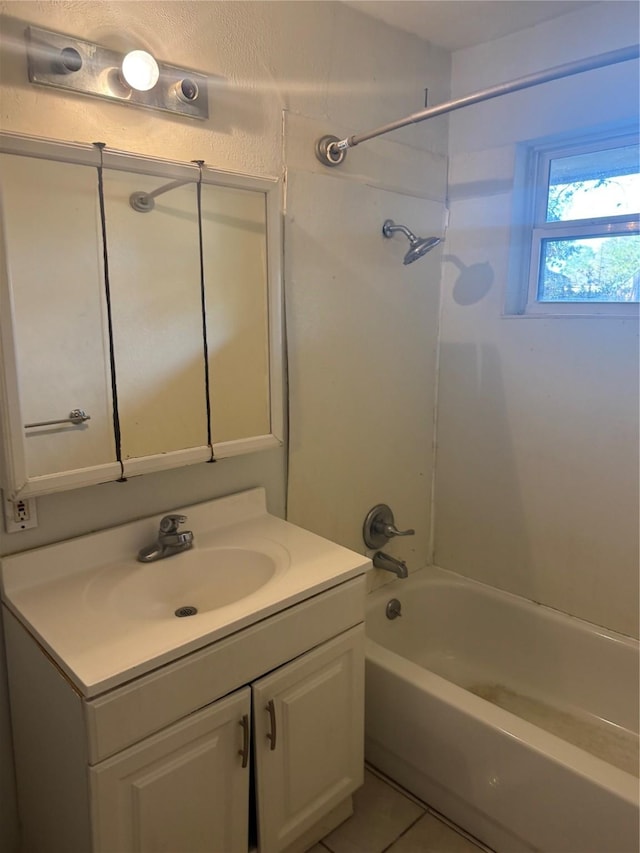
x=388, y=820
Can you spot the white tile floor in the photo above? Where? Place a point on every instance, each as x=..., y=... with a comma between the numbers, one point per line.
x=387, y=820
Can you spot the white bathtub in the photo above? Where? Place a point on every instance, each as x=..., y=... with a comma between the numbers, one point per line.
x=502, y=774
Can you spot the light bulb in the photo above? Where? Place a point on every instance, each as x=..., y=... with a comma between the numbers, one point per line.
x=140, y=70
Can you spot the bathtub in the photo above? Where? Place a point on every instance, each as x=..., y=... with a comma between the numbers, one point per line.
x=517, y=722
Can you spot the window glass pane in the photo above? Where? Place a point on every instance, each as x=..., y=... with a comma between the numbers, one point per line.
x=594, y=269
x=600, y=183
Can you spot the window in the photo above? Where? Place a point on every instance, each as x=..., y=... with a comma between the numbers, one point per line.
x=576, y=232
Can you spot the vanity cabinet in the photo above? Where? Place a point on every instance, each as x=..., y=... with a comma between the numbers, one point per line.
x=164, y=762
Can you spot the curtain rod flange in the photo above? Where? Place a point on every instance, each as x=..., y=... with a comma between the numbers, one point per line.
x=328, y=153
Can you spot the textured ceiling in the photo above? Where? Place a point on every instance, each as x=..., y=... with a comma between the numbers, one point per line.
x=456, y=24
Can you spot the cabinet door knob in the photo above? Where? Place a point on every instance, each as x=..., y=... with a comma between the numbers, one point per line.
x=244, y=752
x=271, y=708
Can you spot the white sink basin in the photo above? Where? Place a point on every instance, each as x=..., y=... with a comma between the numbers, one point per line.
x=106, y=618
x=204, y=579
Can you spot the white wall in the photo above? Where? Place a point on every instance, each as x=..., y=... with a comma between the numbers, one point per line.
x=537, y=460
x=362, y=326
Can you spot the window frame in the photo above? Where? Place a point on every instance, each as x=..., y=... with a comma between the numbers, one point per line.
x=530, y=227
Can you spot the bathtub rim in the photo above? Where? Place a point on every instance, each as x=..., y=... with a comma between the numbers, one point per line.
x=436, y=574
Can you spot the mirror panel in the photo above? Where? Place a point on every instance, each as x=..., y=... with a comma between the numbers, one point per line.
x=154, y=273
x=235, y=266
x=56, y=342
x=55, y=269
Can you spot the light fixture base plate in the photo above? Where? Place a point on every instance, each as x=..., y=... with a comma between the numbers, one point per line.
x=99, y=75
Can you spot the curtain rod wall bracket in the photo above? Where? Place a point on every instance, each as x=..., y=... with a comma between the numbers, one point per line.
x=331, y=151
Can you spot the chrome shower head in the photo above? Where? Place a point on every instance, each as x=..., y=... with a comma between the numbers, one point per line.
x=418, y=246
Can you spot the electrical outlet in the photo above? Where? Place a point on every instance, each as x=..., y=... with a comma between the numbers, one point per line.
x=20, y=514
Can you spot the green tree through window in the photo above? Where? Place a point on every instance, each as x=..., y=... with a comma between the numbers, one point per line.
x=592, y=268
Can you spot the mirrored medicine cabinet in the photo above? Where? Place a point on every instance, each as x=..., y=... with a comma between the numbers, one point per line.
x=140, y=314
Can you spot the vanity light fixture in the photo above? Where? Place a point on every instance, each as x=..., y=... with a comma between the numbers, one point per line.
x=134, y=78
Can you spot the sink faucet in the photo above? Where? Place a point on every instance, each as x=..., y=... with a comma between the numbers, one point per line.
x=390, y=564
x=169, y=540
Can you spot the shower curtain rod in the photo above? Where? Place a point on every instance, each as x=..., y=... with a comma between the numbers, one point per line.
x=332, y=151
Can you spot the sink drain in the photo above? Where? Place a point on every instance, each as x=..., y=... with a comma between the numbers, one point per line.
x=186, y=611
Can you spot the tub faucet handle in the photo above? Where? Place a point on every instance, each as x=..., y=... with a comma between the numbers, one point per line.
x=380, y=526
x=390, y=530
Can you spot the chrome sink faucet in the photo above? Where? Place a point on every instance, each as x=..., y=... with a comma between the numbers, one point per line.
x=390, y=564
x=170, y=541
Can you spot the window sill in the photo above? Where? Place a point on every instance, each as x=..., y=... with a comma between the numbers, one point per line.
x=575, y=314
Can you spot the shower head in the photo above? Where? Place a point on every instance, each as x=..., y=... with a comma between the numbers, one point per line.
x=418, y=246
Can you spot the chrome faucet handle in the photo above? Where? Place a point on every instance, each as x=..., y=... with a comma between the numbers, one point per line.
x=390, y=530
x=169, y=540
x=170, y=523
x=379, y=526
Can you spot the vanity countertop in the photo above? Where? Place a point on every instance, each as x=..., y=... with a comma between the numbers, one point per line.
x=84, y=600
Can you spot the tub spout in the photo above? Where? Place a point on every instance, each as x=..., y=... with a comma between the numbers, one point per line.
x=390, y=564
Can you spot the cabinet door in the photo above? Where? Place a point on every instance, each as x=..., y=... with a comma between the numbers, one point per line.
x=184, y=789
x=308, y=728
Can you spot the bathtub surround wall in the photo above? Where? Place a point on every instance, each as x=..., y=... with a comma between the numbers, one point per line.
x=323, y=66
x=369, y=440
x=537, y=460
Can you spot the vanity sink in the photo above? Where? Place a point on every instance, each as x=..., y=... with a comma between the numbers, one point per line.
x=193, y=582
x=106, y=618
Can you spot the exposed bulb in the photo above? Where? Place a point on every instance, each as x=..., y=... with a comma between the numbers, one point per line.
x=140, y=70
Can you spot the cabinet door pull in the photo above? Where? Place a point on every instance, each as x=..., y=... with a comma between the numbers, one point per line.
x=244, y=752
x=271, y=708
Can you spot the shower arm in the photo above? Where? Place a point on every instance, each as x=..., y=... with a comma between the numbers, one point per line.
x=332, y=151
x=390, y=228
x=165, y=189
x=143, y=202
